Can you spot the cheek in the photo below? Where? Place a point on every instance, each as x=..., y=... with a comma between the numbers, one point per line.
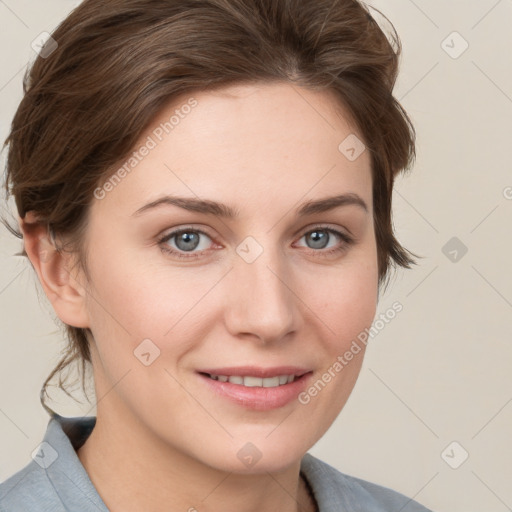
x=347, y=300
x=133, y=302
x=342, y=313
x=349, y=314
x=137, y=298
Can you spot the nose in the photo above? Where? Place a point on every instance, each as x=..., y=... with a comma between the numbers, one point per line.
x=261, y=301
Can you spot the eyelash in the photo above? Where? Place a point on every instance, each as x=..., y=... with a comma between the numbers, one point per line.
x=347, y=241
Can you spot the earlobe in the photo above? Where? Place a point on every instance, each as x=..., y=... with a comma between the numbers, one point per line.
x=67, y=296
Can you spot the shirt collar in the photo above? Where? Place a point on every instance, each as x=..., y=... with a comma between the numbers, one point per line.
x=332, y=491
x=63, y=467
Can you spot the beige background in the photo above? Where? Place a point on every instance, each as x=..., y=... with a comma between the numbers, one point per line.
x=441, y=370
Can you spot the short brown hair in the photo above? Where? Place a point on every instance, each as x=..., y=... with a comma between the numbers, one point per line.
x=119, y=62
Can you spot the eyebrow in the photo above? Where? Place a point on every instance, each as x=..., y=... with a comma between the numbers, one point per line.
x=210, y=207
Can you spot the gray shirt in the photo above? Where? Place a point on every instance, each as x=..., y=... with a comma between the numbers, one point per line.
x=56, y=481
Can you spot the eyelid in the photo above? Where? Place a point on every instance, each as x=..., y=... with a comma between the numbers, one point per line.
x=166, y=236
x=346, y=239
x=335, y=228
x=318, y=225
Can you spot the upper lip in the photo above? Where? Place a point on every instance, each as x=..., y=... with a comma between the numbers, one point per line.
x=255, y=371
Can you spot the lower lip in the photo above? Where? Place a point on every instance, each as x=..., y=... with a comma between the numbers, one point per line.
x=258, y=398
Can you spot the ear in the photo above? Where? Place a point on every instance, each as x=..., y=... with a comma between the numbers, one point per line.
x=66, y=295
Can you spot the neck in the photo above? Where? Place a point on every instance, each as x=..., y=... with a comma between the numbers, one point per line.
x=133, y=470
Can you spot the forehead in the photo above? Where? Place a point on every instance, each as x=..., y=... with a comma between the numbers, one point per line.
x=257, y=142
x=261, y=109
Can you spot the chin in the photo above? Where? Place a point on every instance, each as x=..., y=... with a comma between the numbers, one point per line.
x=260, y=454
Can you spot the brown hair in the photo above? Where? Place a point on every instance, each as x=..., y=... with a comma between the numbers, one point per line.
x=119, y=62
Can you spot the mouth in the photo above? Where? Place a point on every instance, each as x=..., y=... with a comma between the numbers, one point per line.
x=251, y=381
x=271, y=389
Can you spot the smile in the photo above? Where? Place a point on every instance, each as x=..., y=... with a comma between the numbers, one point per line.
x=250, y=381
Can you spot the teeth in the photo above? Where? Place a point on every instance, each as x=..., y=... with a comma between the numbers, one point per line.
x=249, y=381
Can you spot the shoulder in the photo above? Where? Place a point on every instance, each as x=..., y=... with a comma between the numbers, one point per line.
x=29, y=489
x=55, y=478
x=335, y=490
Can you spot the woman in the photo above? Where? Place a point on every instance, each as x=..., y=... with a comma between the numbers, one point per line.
x=204, y=191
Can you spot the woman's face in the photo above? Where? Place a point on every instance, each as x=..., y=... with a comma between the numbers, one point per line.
x=267, y=287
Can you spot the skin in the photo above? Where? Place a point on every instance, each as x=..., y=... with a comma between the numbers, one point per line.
x=163, y=441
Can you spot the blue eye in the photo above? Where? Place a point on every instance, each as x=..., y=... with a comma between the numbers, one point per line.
x=321, y=236
x=186, y=240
